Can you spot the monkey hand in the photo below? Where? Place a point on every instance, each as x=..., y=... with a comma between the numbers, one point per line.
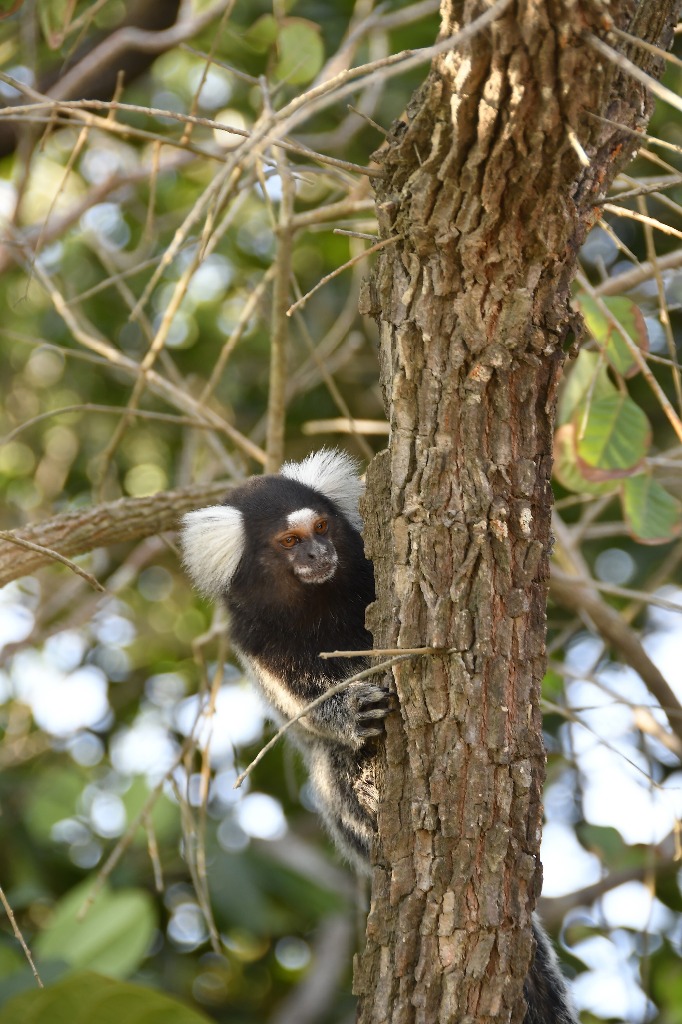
x=355, y=715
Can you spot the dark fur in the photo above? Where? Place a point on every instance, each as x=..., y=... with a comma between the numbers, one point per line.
x=284, y=622
x=279, y=626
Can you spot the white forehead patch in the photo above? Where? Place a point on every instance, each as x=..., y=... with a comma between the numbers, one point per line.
x=302, y=519
x=334, y=474
x=213, y=544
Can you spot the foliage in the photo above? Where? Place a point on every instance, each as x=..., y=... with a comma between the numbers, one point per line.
x=137, y=283
x=86, y=996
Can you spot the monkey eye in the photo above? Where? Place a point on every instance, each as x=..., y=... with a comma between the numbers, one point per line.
x=290, y=541
x=321, y=526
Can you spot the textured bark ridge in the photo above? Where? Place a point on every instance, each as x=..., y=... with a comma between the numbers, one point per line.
x=488, y=202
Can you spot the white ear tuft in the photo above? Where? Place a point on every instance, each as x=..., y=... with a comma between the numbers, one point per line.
x=213, y=544
x=335, y=474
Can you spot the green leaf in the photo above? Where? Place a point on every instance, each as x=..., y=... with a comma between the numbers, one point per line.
x=567, y=469
x=88, y=998
x=262, y=34
x=164, y=814
x=652, y=515
x=613, y=437
x=112, y=938
x=54, y=796
x=588, y=378
x=607, y=335
x=11, y=960
x=552, y=686
x=607, y=843
x=301, y=51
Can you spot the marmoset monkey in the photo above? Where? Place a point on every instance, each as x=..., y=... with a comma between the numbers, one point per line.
x=285, y=554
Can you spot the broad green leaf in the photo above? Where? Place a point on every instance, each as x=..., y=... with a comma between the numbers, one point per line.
x=665, y=983
x=113, y=937
x=587, y=378
x=54, y=795
x=243, y=902
x=262, y=34
x=164, y=814
x=668, y=891
x=607, y=843
x=613, y=436
x=567, y=469
x=11, y=960
x=607, y=335
x=553, y=687
x=652, y=515
x=88, y=998
x=301, y=51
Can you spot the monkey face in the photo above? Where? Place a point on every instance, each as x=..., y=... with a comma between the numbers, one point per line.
x=277, y=540
x=308, y=547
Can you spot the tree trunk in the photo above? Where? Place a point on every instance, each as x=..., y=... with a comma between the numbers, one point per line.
x=489, y=195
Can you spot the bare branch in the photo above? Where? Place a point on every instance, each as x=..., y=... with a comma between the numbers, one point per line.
x=75, y=533
x=339, y=270
x=19, y=937
x=132, y=38
x=621, y=61
x=49, y=554
x=577, y=593
x=279, y=332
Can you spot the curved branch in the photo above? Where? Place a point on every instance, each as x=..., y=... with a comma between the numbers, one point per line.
x=93, y=72
x=80, y=531
x=554, y=909
x=577, y=596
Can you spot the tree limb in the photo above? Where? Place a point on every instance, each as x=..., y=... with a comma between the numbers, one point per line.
x=80, y=531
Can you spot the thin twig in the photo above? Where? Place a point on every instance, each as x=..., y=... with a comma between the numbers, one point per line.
x=279, y=333
x=621, y=61
x=635, y=133
x=618, y=284
x=663, y=313
x=622, y=211
x=247, y=311
x=379, y=128
x=153, y=850
x=63, y=111
x=332, y=211
x=85, y=529
x=114, y=410
x=633, y=595
x=576, y=590
x=359, y=428
x=178, y=397
x=54, y=556
x=651, y=47
x=331, y=692
x=377, y=652
x=339, y=270
x=129, y=834
x=19, y=937
x=363, y=235
x=329, y=381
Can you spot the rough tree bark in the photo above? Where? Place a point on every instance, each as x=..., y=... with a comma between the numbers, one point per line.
x=489, y=198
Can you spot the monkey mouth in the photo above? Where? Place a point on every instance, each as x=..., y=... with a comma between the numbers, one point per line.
x=321, y=572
